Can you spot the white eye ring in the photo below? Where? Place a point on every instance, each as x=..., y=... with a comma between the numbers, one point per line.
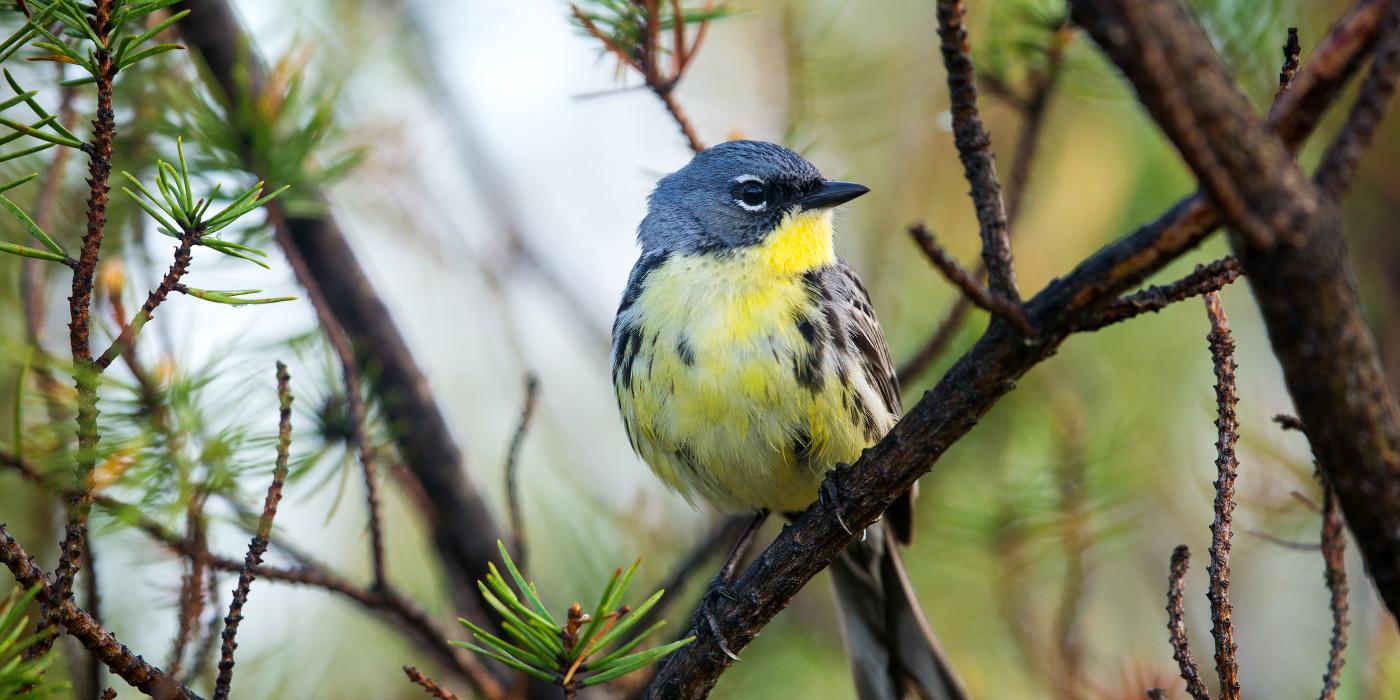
x=761, y=206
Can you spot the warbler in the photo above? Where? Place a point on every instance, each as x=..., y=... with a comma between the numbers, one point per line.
x=748, y=361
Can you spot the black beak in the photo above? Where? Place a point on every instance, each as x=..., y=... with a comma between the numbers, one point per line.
x=832, y=193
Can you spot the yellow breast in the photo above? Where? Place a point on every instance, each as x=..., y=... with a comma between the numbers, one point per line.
x=715, y=398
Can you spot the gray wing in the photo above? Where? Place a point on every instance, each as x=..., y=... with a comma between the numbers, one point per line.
x=863, y=330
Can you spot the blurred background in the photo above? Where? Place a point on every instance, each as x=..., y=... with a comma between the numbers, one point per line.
x=495, y=166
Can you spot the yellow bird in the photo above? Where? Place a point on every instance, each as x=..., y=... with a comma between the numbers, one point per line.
x=748, y=361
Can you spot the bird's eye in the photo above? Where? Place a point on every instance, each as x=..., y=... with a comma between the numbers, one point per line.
x=751, y=195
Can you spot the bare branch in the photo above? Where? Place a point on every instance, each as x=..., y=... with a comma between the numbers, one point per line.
x=258, y=546
x=1176, y=624
x=1339, y=163
x=464, y=533
x=974, y=149
x=1222, y=350
x=1206, y=278
x=123, y=662
x=527, y=413
x=428, y=684
x=986, y=299
x=1292, y=249
x=1033, y=111
x=1334, y=544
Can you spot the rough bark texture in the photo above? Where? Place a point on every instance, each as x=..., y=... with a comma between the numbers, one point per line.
x=1291, y=246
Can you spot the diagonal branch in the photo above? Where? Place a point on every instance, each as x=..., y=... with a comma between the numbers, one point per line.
x=984, y=374
x=464, y=532
x=985, y=299
x=1205, y=278
x=122, y=661
x=1291, y=247
x=1339, y=163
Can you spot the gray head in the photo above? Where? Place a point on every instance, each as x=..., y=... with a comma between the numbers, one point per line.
x=734, y=194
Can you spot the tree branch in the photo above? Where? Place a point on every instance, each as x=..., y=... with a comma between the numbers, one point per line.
x=121, y=660
x=1334, y=544
x=985, y=299
x=1222, y=353
x=1206, y=278
x=258, y=546
x=1176, y=625
x=1292, y=249
x=464, y=532
x=974, y=149
x=984, y=374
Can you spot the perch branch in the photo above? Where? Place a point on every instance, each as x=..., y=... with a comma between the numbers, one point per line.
x=985, y=373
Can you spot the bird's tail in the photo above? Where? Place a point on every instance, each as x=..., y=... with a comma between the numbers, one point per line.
x=894, y=654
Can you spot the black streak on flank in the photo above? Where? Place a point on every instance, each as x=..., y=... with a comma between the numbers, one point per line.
x=686, y=352
x=629, y=342
x=687, y=458
x=637, y=282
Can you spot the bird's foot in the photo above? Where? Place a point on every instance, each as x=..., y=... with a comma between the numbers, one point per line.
x=718, y=588
x=830, y=497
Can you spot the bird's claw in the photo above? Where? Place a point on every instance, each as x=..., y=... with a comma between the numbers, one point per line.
x=830, y=497
x=718, y=587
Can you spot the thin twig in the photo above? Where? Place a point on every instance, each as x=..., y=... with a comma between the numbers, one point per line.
x=987, y=299
x=189, y=238
x=92, y=597
x=1205, y=278
x=648, y=64
x=974, y=149
x=192, y=584
x=1176, y=624
x=123, y=662
x=1076, y=540
x=527, y=413
x=99, y=152
x=400, y=613
x=1222, y=348
x=1288, y=422
x=428, y=684
x=258, y=545
x=1033, y=110
x=1334, y=557
x=1339, y=163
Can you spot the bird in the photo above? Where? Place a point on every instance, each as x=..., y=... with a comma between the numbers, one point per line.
x=748, y=362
